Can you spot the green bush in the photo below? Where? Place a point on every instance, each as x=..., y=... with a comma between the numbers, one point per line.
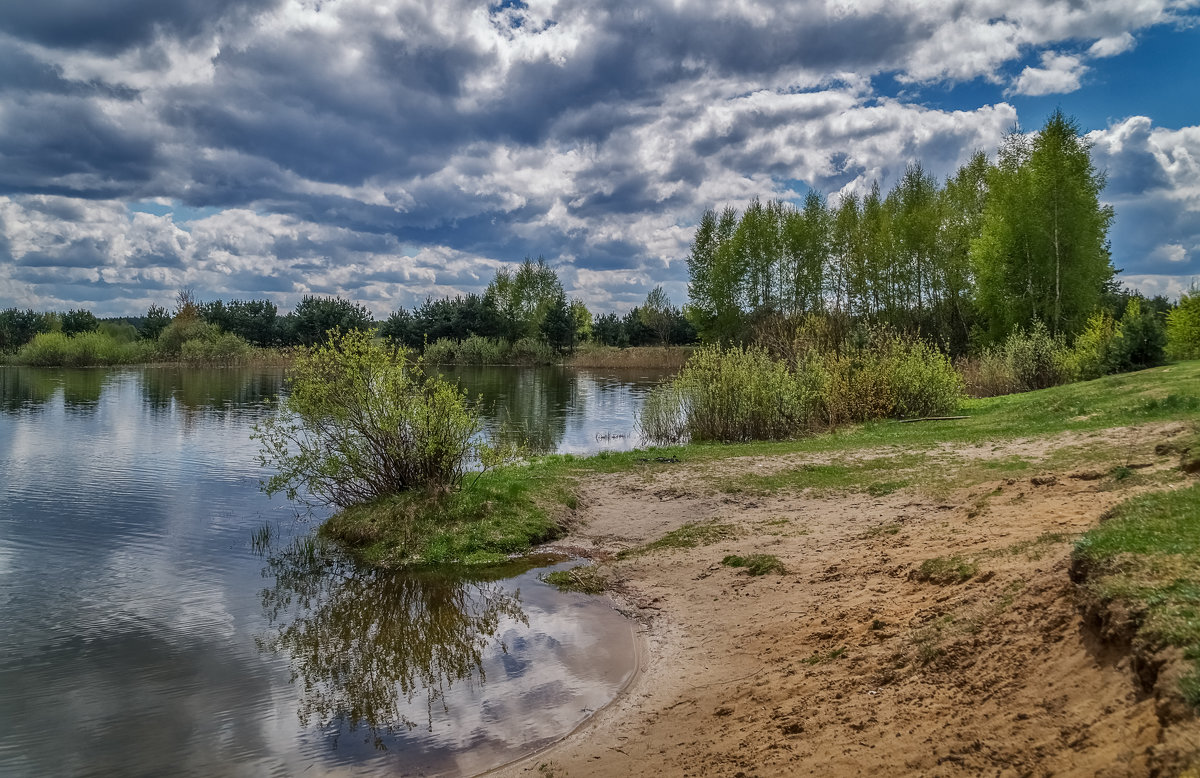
x=477, y=350
x=738, y=394
x=1140, y=341
x=924, y=382
x=988, y=374
x=443, y=352
x=362, y=423
x=224, y=348
x=54, y=349
x=1093, y=353
x=530, y=351
x=1036, y=358
x=1183, y=327
x=183, y=329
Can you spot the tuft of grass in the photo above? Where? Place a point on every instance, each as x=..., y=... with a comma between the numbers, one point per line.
x=690, y=535
x=260, y=539
x=946, y=570
x=755, y=564
x=583, y=578
x=819, y=658
x=1147, y=554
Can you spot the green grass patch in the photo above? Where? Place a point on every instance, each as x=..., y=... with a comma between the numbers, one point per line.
x=946, y=570
x=1148, y=555
x=582, y=578
x=506, y=512
x=690, y=535
x=755, y=564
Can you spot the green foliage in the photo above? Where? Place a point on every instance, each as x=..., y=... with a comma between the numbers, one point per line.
x=1093, y=353
x=121, y=332
x=214, y=348
x=362, y=423
x=56, y=349
x=18, y=327
x=316, y=317
x=657, y=314
x=254, y=321
x=183, y=329
x=946, y=570
x=1140, y=340
x=1183, y=327
x=154, y=322
x=1147, y=554
x=755, y=564
x=1036, y=359
x=661, y=419
x=557, y=328
x=523, y=298
x=79, y=320
x=1042, y=252
x=735, y=394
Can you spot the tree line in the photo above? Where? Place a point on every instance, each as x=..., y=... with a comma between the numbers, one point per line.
x=527, y=303
x=996, y=247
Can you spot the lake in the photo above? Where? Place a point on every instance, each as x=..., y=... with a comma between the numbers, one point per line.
x=159, y=615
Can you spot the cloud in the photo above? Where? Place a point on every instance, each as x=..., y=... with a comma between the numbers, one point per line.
x=1154, y=186
x=1059, y=73
x=1112, y=46
x=349, y=146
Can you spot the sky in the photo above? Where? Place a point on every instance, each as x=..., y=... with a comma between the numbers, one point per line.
x=390, y=150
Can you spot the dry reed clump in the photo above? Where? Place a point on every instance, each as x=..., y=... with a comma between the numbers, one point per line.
x=665, y=357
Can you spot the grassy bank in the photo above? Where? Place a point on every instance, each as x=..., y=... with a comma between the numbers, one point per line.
x=516, y=506
x=1146, y=559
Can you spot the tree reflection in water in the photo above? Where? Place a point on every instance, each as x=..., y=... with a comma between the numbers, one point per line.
x=365, y=644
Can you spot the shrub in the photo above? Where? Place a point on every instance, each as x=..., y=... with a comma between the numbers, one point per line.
x=224, y=348
x=362, y=423
x=1183, y=327
x=529, y=351
x=443, y=352
x=54, y=349
x=1093, y=354
x=740, y=394
x=924, y=382
x=1140, y=341
x=661, y=419
x=477, y=350
x=1036, y=358
x=988, y=374
x=183, y=329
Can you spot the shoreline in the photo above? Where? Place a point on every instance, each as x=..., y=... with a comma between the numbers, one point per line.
x=849, y=661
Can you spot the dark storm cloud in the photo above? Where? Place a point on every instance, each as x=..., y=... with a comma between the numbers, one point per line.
x=112, y=25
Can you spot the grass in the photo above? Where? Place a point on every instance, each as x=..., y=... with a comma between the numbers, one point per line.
x=690, y=535
x=506, y=512
x=821, y=658
x=516, y=506
x=582, y=578
x=755, y=564
x=667, y=358
x=946, y=570
x=1147, y=554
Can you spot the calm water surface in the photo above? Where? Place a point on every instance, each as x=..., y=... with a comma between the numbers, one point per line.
x=143, y=633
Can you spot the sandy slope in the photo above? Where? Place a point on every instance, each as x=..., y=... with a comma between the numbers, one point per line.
x=847, y=664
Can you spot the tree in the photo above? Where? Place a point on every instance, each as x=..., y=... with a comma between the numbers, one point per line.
x=1183, y=327
x=1042, y=253
x=658, y=315
x=154, y=322
x=79, y=320
x=314, y=317
x=18, y=327
x=522, y=298
x=583, y=321
x=363, y=422
x=558, y=325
